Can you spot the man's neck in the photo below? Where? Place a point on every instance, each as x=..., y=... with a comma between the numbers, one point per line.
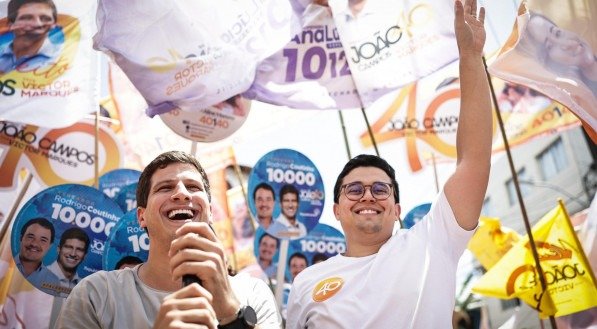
x=264, y=263
x=156, y=275
x=26, y=47
x=265, y=221
x=363, y=249
x=67, y=274
x=29, y=267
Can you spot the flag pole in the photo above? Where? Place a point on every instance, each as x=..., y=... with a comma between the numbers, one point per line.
x=435, y=172
x=96, y=149
x=370, y=131
x=15, y=205
x=523, y=209
x=344, y=134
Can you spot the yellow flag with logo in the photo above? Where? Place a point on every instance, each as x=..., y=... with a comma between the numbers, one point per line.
x=570, y=281
x=491, y=241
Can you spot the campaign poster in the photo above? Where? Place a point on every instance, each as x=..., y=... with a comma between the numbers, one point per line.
x=113, y=181
x=49, y=72
x=59, y=235
x=209, y=124
x=127, y=245
x=126, y=198
x=286, y=194
x=415, y=215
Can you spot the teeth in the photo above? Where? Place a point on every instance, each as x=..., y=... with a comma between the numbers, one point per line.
x=180, y=214
x=367, y=211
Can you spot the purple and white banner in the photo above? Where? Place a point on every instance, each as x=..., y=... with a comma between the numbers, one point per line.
x=391, y=43
x=311, y=71
x=49, y=73
x=191, y=54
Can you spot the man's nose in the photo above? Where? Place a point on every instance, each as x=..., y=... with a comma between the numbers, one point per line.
x=181, y=193
x=368, y=195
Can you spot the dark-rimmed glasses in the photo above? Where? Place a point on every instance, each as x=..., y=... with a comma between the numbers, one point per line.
x=355, y=191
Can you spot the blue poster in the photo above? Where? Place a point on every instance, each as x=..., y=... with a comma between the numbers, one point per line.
x=126, y=198
x=59, y=235
x=416, y=215
x=323, y=242
x=111, y=182
x=267, y=250
x=127, y=245
x=286, y=194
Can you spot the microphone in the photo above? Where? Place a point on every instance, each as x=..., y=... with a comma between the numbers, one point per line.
x=188, y=279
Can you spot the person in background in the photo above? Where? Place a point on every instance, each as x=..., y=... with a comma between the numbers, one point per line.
x=173, y=199
x=268, y=247
x=73, y=246
x=297, y=263
x=407, y=279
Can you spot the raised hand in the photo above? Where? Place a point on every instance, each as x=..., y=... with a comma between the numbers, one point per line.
x=189, y=307
x=468, y=25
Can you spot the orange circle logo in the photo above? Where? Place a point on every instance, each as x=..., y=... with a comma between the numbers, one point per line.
x=327, y=288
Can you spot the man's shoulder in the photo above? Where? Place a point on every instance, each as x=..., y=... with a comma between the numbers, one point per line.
x=109, y=278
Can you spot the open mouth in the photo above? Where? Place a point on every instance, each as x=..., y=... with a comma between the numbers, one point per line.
x=367, y=212
x=181, y=214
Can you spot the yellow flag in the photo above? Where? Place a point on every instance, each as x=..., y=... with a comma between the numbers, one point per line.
x=570, y=280
x=491, y=241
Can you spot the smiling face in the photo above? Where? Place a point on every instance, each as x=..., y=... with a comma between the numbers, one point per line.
x=367, y=221
x=35, y=243
x=34, y=20
x=289, y=205
x=562, y=46
x=264, y=202
x=267, y=249
x=71, y=254
x=297, y=265
x=176, y=194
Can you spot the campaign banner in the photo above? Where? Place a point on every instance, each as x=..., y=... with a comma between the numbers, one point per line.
x=552, y=50
x=127, y=245
x=113, y=181
x=59, y=235
x=320, y=244
x=297, y=187
x=191, y=54
x=311, y=71
x=415, y=215
x=209, y=124
x=126, y=198
x=56, y=156
x=49, y=73
x=389, y=44
x=243, y=228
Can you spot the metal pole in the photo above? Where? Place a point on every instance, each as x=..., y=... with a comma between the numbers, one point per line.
x=370, y=131
x=344, y=134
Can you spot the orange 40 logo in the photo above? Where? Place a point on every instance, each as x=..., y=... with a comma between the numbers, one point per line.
x=432, y=127
x=327, y=288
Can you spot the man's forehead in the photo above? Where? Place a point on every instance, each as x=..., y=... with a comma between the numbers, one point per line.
x=34, y=7
x=38, y=229
x=176, y=171
x=363, y=174
x=262, y=190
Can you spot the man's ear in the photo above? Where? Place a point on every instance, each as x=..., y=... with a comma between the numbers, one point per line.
x=398, y=209
x=141, y=217
x=337, y=211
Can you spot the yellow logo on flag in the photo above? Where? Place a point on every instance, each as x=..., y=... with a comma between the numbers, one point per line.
x=570, y=281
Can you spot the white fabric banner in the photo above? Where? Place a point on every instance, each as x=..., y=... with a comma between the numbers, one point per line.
x=311, y=71
x=191, y=54
x=391, y=43
x=49, y=73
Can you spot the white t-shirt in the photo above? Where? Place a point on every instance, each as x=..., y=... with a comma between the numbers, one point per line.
x=119, y=299
x=409, y=283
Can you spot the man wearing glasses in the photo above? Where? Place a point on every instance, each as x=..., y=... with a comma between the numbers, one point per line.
x=406, y=280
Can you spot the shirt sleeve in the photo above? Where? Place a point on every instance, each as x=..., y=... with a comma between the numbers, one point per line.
x=264, y=304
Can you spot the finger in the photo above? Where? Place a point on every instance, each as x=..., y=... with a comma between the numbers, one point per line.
x=201, y=228
x=190, y=291
x=194, y=241
x=482, y=15
x=195, y=262
x=197, y=318
x=458, y=11
x=473, y=8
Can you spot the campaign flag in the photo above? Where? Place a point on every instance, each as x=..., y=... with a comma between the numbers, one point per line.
x=491, y=241
x=311, y=71
x=49, y=76
x=552, y=50
x=569, y=278
x=389, y=44
x=191, y=54
x=56, y=156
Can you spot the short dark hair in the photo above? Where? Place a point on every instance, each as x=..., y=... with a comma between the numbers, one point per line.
x=43, y=223
x=75, y=233
x=128, y=260
x=287, y=189
x=367, y=160
x=298, y=255
x=271, y=236
x=264, y=186
x=15, y=5
x=318, y=257
x=161, y=162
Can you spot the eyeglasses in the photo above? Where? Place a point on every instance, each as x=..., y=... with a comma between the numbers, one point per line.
x=355, y=191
